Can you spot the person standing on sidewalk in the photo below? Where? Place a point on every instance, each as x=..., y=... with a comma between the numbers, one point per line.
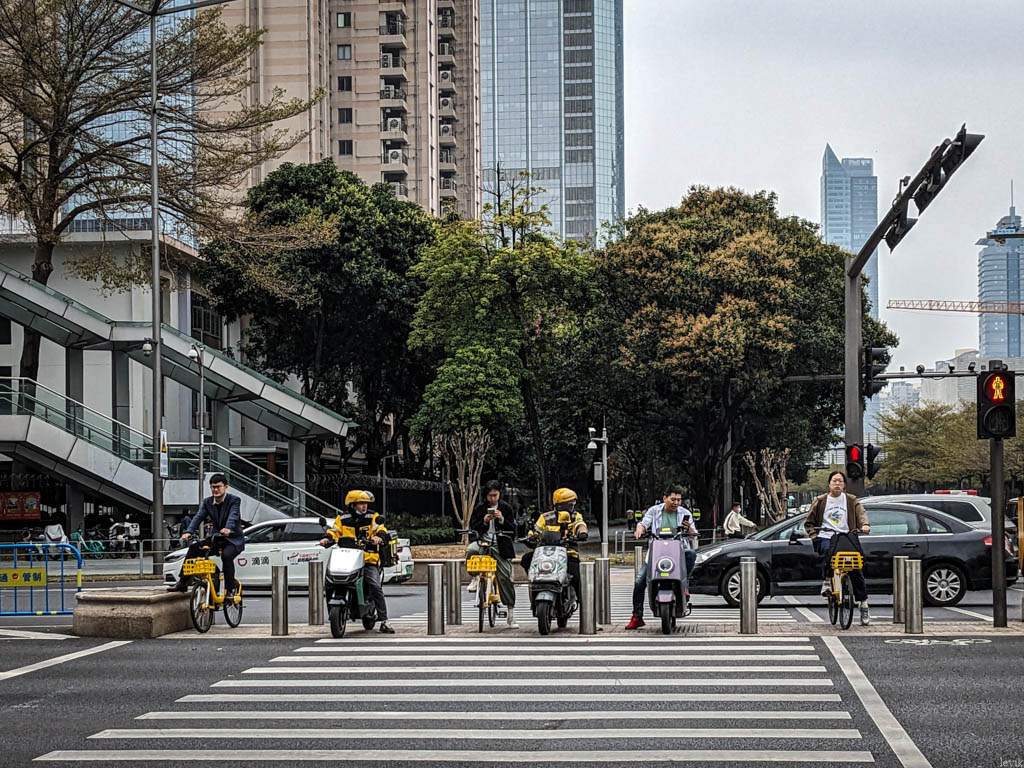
x=734, y=522
x=670, y=513
x=495, y=521
x=831, y=513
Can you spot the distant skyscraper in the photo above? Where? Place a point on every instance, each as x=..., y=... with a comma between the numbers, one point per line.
x=999, y=279
x=849, y=209
x=552, y=104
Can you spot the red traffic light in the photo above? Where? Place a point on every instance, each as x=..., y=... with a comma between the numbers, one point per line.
x=854, y=453
x=995, y=388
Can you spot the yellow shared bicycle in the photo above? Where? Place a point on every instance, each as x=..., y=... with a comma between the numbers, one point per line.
x=204, y=599
x=840, y=599
x=484, y=567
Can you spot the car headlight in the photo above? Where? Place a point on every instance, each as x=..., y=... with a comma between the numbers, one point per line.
x=174, y=557
x=665, y=564
x=707, y=554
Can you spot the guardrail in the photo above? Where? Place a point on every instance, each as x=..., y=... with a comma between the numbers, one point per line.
x=29, y=570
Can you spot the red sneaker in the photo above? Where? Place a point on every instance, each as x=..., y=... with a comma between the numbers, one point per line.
x=635, y=622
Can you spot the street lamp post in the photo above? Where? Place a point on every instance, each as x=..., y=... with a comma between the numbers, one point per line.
x=196, y=353
x=384, y=483
x=592, y=446
x=154, y=11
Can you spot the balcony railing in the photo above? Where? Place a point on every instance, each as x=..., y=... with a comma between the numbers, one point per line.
x=393, y=93
x=450, y=184
x=446, y=49
x=446, y=21
x=401, y=189
x=447, y=157
x=393, y=27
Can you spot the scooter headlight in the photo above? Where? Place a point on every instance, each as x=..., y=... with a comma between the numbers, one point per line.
x=665, y=564
x=546, y=567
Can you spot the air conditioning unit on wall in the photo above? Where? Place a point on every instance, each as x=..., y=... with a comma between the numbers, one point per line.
x=447, y=103
x=447, y=130
x=394, y=156
x=388, y=91
x=386, y=60
x=394, y=124
x=446, y=76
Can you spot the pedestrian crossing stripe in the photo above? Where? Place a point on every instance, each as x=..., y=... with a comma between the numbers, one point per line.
x=530, y=698
x=463, y=669
x=521, y=682
x=547, y=717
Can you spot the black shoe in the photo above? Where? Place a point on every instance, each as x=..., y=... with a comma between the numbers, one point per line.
x=179, y=587
x=386, y=629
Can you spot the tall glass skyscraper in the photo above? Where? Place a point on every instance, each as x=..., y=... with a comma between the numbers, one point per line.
x=999, y=279
x=552, y=105
x=849, y=209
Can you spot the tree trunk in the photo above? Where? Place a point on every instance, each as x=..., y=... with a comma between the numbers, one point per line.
x=42, y=268
x=538, y=443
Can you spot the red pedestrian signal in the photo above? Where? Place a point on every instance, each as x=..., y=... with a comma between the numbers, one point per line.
x=997, y=417
x=854, y=462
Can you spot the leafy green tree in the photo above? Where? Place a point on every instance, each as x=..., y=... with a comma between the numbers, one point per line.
x=503, y=284
x=348, y=313
x=74, y=121
x=709, y=305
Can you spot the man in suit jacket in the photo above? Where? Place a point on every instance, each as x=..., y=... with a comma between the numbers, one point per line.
x=224, y=511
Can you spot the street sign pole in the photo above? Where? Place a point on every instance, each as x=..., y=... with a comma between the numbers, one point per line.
x=998, y=535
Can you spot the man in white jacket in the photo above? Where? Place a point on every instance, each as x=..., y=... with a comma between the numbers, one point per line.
x=734, y=523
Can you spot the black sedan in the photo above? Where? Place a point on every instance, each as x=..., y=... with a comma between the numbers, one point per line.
x=954, y=557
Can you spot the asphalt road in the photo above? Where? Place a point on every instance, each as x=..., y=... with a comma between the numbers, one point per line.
x=372, y=701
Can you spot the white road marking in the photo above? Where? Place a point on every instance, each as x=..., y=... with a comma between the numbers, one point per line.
x=807, y=613
x=512, y=651
x=573, y=698
x=907, y=752
x=62, y=659
x=488, y=734
x=973, y=614
x=581, y=662
x=548, y=717
x=21, y=634
x=487, y=668
x=590, y=641
x=399, y=756
x=540, y=682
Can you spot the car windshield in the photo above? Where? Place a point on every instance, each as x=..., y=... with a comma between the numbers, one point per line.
x=782, y=530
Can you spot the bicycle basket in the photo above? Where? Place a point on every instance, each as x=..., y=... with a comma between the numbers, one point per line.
x=197, y=566
x=847, y=561
x=481, y=564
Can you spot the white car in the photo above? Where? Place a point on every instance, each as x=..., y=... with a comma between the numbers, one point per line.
x=298, y=539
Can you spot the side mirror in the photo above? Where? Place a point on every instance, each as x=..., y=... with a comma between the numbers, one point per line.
x=794, y=537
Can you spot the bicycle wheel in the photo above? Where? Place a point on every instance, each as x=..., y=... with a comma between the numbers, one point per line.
x=833, y=608
x=845, y=602
x=233, y=610
x=199, y=607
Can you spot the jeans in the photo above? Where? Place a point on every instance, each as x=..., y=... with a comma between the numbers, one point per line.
x=373, y=585
x=640, y=586
x=823, y=549
x=506, y=588
x=227, y=558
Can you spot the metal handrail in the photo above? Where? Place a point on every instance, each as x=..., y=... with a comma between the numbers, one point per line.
x=262, y=470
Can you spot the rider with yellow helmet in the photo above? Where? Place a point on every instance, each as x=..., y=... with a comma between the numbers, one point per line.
x=359, y=522
x=565, y=519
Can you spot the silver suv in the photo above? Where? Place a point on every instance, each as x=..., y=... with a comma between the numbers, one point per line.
x=976, y=511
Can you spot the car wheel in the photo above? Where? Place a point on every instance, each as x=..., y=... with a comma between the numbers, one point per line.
x=944, y=585
x=730, y=587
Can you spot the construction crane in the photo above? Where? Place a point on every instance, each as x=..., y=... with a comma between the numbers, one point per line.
x=976, y=307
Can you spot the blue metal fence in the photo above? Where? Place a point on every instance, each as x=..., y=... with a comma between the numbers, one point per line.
x=42, y=570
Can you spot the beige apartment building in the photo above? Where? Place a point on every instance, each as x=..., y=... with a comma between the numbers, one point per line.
x=402, y=84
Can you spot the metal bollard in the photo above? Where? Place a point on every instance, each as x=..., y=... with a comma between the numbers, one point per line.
x=316, y=593
x=899, y=589
x=603, y=578
x=435, y=599
x=278, y=600
x=588, y=625
x=638, y=561
x=913, y=599
x=748, y=596
x=453, y=593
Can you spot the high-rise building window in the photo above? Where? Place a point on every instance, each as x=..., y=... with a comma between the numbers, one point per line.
x=345, y=83
x=5, y=331
x=344, y=19
x=345, y=147
x=344, y=52
x=345, y=115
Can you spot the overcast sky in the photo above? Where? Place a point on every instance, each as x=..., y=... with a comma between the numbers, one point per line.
x=746, y=93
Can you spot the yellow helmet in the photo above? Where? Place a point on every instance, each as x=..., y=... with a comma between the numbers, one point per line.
x=354, y=497
x=563, y=495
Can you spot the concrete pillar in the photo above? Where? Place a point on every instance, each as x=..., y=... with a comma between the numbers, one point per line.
x=120, y=395
x=74, y=390
x=297, y=463
x=220, y=426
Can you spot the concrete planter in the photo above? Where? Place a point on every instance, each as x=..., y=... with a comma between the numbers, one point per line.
x=130, y=612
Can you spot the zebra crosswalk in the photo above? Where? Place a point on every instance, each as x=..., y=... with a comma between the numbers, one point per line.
x=707, y=609
x=458, y=700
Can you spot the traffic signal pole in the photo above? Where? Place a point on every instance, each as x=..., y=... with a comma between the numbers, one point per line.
x=998, y=534
x=851, y=370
